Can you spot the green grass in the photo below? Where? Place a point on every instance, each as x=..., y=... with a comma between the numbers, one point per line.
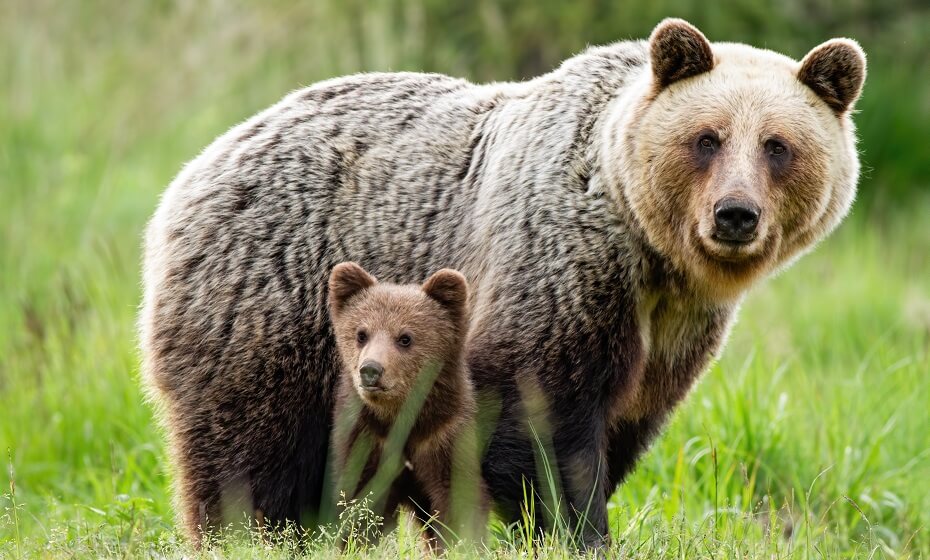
x=809, y=439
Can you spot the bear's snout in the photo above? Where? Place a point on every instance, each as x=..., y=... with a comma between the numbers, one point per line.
x=735, y=220
x=370, y=374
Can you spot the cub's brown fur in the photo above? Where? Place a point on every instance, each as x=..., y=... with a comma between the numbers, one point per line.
x=399, y=344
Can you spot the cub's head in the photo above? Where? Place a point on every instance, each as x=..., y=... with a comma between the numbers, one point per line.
x=388, y=335
x=734, y=160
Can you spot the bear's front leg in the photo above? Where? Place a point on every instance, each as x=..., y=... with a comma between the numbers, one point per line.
x=581, y=452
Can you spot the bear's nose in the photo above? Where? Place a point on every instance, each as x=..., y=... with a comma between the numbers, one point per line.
x=371, y=373
x=736, y=220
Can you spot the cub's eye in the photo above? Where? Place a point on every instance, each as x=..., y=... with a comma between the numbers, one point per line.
x=361, y=336
x=404, y=340
x=775, y=148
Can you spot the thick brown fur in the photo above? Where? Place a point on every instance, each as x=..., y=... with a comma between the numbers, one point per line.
x=580, y=206
x=411, y=331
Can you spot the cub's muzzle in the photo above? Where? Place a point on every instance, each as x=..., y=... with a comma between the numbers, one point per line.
x=370, y=373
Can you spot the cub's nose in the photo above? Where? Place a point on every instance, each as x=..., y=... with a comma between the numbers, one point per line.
x=736, y=220
x=370, y=373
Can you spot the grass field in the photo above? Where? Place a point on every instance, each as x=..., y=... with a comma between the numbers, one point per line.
x=809, y=439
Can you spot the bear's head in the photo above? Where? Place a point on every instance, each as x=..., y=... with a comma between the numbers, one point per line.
x=735, y=160
x=390, y=335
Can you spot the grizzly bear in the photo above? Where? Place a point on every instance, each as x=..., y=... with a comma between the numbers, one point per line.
x=609, y=216
x=402, y=351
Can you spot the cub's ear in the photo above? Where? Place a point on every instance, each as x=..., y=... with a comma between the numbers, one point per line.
x=678, y=51
x=346, y=280
x=449, y=288
x=835, y=70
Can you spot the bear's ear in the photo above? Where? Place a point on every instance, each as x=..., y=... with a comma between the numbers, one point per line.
x=835, y=71
x=346, y=280
x=450, y=289
x=677, y=51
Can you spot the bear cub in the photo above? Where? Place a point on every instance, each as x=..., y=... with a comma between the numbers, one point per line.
x=405, y=416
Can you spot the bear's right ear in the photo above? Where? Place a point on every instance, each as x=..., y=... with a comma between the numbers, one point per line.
x=835, y=71
x=346, y=280
x=678, y=50
x=450, y=289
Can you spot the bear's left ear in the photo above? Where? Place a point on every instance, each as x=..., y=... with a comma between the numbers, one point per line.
x=450, y=289
x=346, y=280
x=835, y=71
x=677, y=51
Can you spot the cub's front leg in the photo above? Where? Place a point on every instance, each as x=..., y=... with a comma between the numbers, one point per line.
x=458, y=496
x=356, y=463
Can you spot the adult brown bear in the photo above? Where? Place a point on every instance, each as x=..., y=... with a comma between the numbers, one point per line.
x=608, y=216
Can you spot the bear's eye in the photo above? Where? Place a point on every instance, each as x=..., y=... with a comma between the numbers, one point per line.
x=361, y=336
x=705, y=148
x=775, y=148
x=708, y=143
x=404, y=340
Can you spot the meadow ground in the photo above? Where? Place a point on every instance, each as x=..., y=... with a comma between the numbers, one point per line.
x=809, y=439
